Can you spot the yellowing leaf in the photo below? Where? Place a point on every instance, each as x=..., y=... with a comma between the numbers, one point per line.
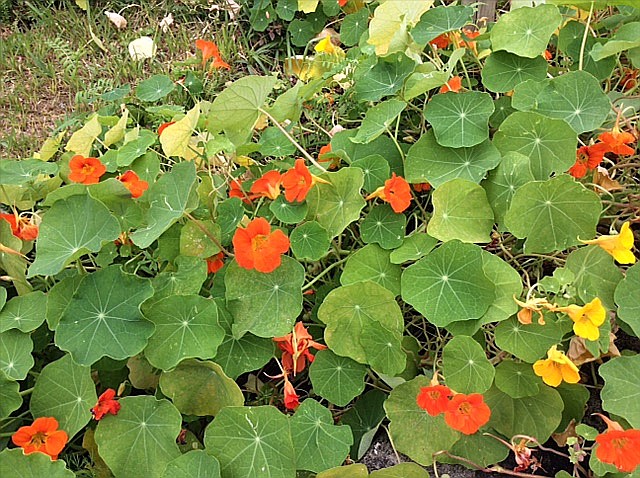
x=245, y=161
x=116, y=133
x=388, y=30
x=308, y=6
x=175, y=139
x=83, y=4
x=49, y=148
x=142, y=48
x=82, y=140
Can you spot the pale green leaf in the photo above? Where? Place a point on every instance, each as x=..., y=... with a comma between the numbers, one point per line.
x=465, y=366
x=336, y=379
x=622, y=388
x=82, y=140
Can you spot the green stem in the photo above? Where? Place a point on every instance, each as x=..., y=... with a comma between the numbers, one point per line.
x=26, y=392
x=584, y=38
x=323, y=273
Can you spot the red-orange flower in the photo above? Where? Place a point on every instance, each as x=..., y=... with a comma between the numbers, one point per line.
x=236, y=191
x=396, y=191
x=630, y=79
x=133, y=183
x=619, y=447
x=210, y=50
x=618, y=141
x=325, y=155
x=454, y=84
x=421, y=187
x=258, y=248
x=267, y=186
x=107, y=403
x=215, y=263
x=298, y=181
x=291, y=399
x=441, y=41
x=547, y=55
x=86, y=170
x=467, y=413
x=164, y=126
x=21, y=227
x=41, y=436
x=295, y=349
x=434, y=399
x=588, y=158
x=342, y=3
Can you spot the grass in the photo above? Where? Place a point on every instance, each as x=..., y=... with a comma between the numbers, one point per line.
x=52, y=72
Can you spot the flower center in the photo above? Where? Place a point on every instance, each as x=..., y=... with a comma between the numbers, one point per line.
x=38, y=439
x=434, y=395
x=619, y=443
x=258, y=242
x=87, y=169
x=465, y=408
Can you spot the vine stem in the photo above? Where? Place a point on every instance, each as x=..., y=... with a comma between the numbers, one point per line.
x=293, y=141
x=584, y=38
x=323, y=273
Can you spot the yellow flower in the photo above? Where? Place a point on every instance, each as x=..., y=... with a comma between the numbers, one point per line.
x=586, y=319
x=556, y=368
x=325, y=46
x=618, y=245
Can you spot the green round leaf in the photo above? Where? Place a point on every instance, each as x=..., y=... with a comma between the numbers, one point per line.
x=371, y=263
x=193, y=464
x=502, y=110
x=465, y=366
x=35, y=465
x=384, y=354
x=186, y=327
x=575, y=398
x=350, y=310
x=228, y=215
x=10, y=398
x=336, y=379
x=378, y=119
x=15, y=354
x=627, y=300
x=274, y=143
x=237, y=356
x=248, y=441
x=460, y=119
x=24, y=312
x=25, y=171
x=286, y=9
x=364, y=418
x=516, y=379
x=550, y=144
x=103, y=318
x=376, y=77
x=194, y=242
x=188, y=279
x=154, y=88
x=200, y=388
x=577, y=98
x=525, y=31
x=287, y=212
x=427, y=161
x=439, y=20
x=310, y=241
x=449, y=284
x=338, y=204
x=141, y=439
x=318, y=443
x=375, y=169
x=537, y=416
x=502, y=183
x=413, y=248
x=356, y=470
x=71, y=228
x=461, y=211
x=353, y=26
x=384, y=227
x=301, y=32
x=525, y=94
x=621, y=388
x=128, y=153
x=264, y=304
x=595, y=274
x=553, y=214
x=480, y=448
x=503, y=71
x=428, y=434
x=64, y=390
x=527, y=342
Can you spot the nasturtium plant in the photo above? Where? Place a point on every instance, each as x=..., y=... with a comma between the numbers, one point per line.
x=344, y=218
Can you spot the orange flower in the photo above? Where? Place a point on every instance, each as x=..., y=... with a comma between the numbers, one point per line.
x=326, y=156
x=534, y=304
x=342, y=3
x=630, y=79
x=291, y=399
x=434, y=399
x=547, y=55
x=396, y=192
x=454, y=84
x=134, y=184
x=164, y=126
x=441, y=41
x=421, y=187
x=42, y=436
x=210, y=50
x=556, y=368
x=21, y=227
x=295, y=349
x=258, y=248
x=619, y=447
x=267, y=186
x=587, y=159
x=86, y=170
x=215, y=263
x=298, y=181
x=618, y=141
x=467, y=413
x=107, y=403
x=236, y=191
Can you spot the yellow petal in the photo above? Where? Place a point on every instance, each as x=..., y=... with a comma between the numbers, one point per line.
x=549, y=371
x=584, y=328
x=325, y=46
x=570, y=374
x=595, y=312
